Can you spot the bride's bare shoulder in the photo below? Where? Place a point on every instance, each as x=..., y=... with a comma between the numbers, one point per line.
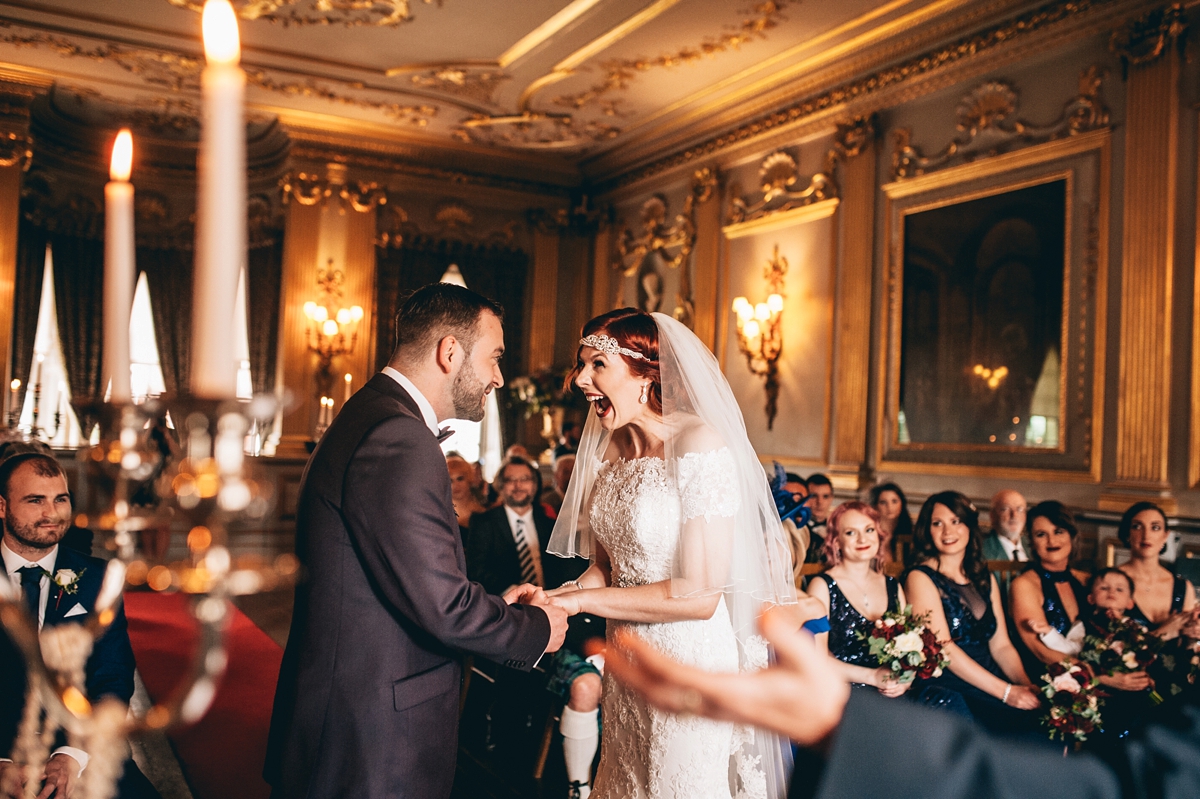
x=693, y=435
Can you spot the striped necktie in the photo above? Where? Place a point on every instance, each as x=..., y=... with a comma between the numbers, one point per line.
x=524, y=555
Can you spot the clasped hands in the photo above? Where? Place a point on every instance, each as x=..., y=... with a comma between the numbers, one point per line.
x=58, y=777
x=529, y=594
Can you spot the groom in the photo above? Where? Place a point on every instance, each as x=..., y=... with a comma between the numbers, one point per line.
x=367, y=702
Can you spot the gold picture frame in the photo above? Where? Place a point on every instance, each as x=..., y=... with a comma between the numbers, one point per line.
x=1082, y=162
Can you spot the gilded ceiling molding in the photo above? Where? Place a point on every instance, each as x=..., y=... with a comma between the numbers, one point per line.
x=619, y=73
x=1143, y=40
x=533, y=131
x=777, y=175
x=453, y=222
x=349, y=13
x=477, y=84
x=1002, y=35
x=156, y=114
x=179, y=72
x=311, y=189
x=987, y=125
x=853, y=135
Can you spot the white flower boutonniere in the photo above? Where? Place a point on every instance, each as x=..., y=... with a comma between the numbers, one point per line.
x=67, y=581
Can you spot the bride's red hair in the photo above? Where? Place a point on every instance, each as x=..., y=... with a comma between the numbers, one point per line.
x=634, y=330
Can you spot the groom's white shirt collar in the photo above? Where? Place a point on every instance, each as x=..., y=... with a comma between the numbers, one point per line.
x=427, y=412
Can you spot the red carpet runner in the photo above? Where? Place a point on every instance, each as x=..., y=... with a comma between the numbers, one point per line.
x=223, y=754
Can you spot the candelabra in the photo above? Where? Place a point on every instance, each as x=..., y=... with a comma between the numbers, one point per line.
x=332, y=330
x=760, y=331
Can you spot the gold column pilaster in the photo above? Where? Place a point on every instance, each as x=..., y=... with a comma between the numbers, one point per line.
x=359, y=289
x=301, y=239
x=857, y=153
x=602, y=271
x=706, y=258
x=15, y=152
x=1148, y=258
x=544, y=297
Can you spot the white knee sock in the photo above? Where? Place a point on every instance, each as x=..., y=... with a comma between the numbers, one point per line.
x=581, y=735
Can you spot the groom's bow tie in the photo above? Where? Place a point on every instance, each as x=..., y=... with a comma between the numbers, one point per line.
x=443, y=434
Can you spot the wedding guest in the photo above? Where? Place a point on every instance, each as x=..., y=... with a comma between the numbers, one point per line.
x=552, y=497
x=506, y=546
x=820, y=501
x=797, y=535
x=518, y=451
x=568, y=440
x=854, y=593
x=1051, y=595
x=951, y=582
x=466, y=504
x=889, y=500
x=1161, y=596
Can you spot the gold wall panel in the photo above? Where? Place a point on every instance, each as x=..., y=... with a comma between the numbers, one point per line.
x=852, y=343
x=706, y=300
x=10, y=209
x=544, y=304
x=1147, y=274
x=300, y=243
x=1194, y=440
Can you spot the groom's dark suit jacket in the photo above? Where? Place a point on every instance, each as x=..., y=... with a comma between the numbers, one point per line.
x=367, y=702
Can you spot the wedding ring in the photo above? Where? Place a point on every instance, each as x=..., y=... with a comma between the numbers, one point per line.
x=691, y=701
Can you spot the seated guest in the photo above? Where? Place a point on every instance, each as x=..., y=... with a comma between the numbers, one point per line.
x=1051, y=595
x=985, y=680
x=820, y=502
x=518, y=451
x=894, y=519
x=797, y=534
x=36, y=510
x=462, y=490
x=1161, y=595
x=552, y=497
x=854, y=593
x=568, y=441
x=506, y=546
x=1006, y=540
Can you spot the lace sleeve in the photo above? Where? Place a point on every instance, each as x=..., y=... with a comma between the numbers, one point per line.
x=707, y=484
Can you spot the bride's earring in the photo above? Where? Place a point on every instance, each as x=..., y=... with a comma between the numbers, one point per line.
x=645, y=393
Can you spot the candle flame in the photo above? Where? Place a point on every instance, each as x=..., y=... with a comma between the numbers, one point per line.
x=122, y=156
x=15, y=385
x=219, y=23
x=348, y=377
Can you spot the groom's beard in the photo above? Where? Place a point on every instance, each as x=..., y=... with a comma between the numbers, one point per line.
x=468, y=392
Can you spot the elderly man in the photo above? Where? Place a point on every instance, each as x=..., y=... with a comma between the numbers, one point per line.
x=1007, y=540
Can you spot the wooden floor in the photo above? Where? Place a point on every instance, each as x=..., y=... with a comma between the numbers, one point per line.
x=492, y=763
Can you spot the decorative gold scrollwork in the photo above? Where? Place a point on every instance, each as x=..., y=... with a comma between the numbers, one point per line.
x=777, y=175
x=309, y=189
x=350, y=13
x=987, y=125
x=1144, y=39
x=534, y=131
x=16, y=149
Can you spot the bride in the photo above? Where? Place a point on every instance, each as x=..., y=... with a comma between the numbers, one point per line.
x=671, y=505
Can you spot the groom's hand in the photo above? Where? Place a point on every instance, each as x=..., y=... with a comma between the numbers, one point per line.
x=558, y=626
x=526, y=594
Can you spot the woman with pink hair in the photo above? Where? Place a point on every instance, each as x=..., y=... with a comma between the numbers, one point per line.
x=855, y=593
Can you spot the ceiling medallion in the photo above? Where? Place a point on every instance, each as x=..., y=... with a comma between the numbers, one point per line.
x=350, y=13
x=987, y=125
x=533, y=131
x=619, y=73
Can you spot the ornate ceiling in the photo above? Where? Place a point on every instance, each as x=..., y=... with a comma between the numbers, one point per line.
x=567, y=85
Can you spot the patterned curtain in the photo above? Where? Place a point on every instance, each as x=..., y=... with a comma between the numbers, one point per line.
x=263, y=281
x=494, y=273
x=79, y=295
x=27, y=296
x=169, y=280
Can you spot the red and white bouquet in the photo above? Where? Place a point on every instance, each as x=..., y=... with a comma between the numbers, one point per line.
x=1073, y=695
x=1126, y=646
x=904, y=644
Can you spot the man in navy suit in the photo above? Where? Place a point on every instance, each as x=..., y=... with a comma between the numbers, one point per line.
x=58, y=586
x=367, y=701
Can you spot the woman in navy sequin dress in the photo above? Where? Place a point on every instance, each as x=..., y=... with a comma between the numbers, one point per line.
x=1050, y=596
x=1162, y=599
x=855, y=593
x=951, y=582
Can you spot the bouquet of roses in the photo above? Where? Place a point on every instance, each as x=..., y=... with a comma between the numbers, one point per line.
x=1073, y=694
x=1125, y=647
x=1180, y=659
x=904, y=644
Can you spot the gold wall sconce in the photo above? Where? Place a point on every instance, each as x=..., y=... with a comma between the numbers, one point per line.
x=760, y=331
x=332, y=329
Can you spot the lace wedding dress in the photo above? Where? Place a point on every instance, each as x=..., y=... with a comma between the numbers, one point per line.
x=646, y=753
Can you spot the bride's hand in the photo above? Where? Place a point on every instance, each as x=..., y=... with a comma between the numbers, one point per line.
x=526, y=594
x=568, y=602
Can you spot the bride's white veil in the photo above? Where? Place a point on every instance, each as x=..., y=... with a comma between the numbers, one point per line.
x=732, y=543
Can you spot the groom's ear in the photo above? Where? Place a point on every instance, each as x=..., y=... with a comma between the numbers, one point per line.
x=448, y=354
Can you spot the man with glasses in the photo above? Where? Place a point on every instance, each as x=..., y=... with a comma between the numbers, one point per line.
x=1007, y=539
x=506, y=546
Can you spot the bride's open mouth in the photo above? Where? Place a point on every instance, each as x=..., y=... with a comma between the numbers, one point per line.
x=600, y=403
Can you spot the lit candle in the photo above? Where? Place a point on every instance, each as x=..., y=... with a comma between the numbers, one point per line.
x=14, y=396
x=221, y=206
x=118, y=267
x=349, y=379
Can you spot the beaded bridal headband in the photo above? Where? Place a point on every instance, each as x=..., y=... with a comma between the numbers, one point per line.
x=609, y=346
